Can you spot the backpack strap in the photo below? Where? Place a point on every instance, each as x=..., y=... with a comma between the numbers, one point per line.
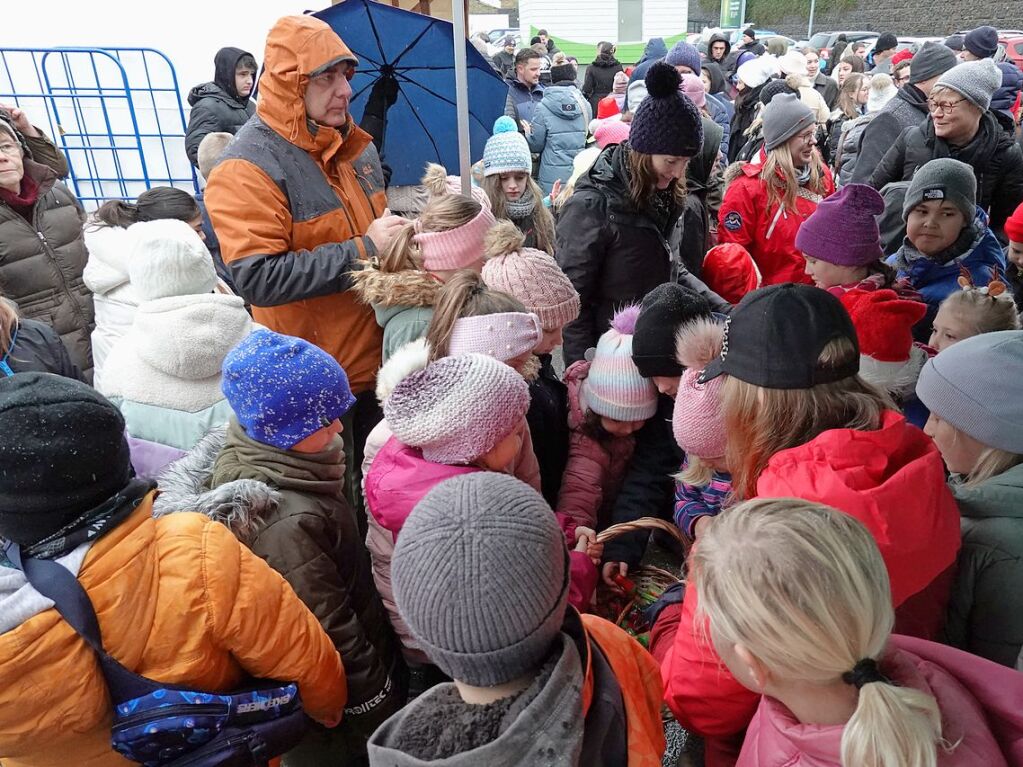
x=5, y=368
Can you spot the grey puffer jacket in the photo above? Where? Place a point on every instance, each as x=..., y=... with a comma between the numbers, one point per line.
x=850, y=146
x=41, y=264
x=558, y=132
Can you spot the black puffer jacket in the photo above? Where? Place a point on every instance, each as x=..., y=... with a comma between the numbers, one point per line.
x=745, y=113
x=907, y=110
x=995, y=157
x=600, y=79
x=38, y=349
x=613, y=253
x=548, y=425
x=216, y=106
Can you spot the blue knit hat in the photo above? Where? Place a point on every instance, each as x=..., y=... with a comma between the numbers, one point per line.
x=282, y=389
x=667, y=122
x=506, y=151
x=684, y=54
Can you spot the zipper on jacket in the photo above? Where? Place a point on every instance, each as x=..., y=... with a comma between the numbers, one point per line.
x=52, y=254
x=179, y=709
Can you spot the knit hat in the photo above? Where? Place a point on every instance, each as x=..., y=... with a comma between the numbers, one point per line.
x=503, y=336
x=730, y=271
x=63, y=453
x=283, y=389
x=750, y=33
x=685, y=55
x=886, y=42
x=614, y=388
x=943, y=179
x=884, y=327
x=697, y=421
x=773, y=88
x=663, y=311
x=457, y=408
x=168, y=258
x=439, y=184
x=607, y=108
x=563, y=72
x=666, y=122
x=882, y=90
x=481, y=577
x=531, y=276
x=506, y=151
x=455, y=248
x=974, y=385
x=621, y=83
x=692, y=86
x=783, y=118
x=754, y=72
x=611, y=132
x=793, y=63
x=954, y=42
x=933, y=59
x=904, y=55
x=843, y=229
x=1014, y=225
x=975, y=81
x=982, y=42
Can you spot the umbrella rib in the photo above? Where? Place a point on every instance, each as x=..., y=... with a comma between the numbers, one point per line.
x=421, y=124
x=376, y=35
x=442, y=98
x=412, y=44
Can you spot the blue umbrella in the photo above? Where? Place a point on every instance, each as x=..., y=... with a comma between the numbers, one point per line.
x=415, y=53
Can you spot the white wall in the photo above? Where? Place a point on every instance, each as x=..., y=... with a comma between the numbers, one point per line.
x=583, y=21
x=664, y=18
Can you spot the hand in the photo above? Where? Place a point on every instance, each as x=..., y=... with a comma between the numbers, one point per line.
x=555, y=190
x=586, y=541
x=383, y=229
x=21, y=121
x=612, y=569
x=526, y=127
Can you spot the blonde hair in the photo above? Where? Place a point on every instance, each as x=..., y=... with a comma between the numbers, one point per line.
x=210, y=149
x=697, y=473
x=804, y=589
x=8, y=325
x=992, y=462
x=984, y=313
x=643, y=181
x=464, y=295
x=441, y=213
x=779, y=174
x=760, y=422
x=543, y=221
x=847, y=103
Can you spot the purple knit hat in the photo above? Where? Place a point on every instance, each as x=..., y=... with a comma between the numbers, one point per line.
x=457, y=408
x=613, y=388
x=843, y=230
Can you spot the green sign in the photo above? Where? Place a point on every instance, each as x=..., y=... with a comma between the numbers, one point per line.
x=732, y=13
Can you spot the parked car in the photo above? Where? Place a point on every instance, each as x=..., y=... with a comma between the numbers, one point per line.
x=495, y=39
x=825, y=41
x=1014, y=48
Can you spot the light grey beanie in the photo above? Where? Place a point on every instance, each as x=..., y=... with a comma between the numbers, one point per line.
x=784, y=117
x=481, y=577
x=975, y=81
x=975, y=386
x=943, y=179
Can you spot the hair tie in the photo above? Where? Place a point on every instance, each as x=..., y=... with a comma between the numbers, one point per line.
x=417, y=226
x=864, y=672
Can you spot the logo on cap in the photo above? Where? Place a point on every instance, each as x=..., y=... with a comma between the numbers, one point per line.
x=934, y=194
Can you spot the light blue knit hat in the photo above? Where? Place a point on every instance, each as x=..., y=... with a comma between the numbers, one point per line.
x=506, y=151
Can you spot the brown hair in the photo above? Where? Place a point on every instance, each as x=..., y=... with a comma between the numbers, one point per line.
x=8, y=324
x=440, y=214
x=543, y=221
x=760, y=422
x=643, y=181
x=464, y=295
x=848, y=93
x=154, y=204
x=779, y=174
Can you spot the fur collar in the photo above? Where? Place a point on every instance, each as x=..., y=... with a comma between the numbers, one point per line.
x=406, y=288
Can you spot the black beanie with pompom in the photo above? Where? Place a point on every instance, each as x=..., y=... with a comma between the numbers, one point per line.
x=667, y=122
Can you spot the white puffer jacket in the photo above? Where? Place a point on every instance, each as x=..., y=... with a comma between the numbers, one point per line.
x=106, y=275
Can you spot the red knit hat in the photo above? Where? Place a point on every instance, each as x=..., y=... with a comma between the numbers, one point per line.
x=884, y=327
x=1014, y=225
x=607, y=107
x=901, y=56
x=729, y=270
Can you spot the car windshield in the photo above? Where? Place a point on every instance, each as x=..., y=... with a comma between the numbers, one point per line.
x=820, y=40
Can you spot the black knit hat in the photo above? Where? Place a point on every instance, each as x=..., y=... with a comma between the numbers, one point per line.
x=772, y=88
x=663, y=311
x=750, y=33
x=667, y=122
x=63, y=452
x=563, y=72
x=886, y=42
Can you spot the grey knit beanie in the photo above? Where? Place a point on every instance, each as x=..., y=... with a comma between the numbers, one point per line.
x=943, y=179
x=975, y=81
x=457, y=408
x=481, y=577
x=784, y=117
x=975, y=386
x=933, y=59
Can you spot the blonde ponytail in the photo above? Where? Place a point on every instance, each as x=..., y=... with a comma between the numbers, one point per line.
x=448, y=211
x=463, y=295
x=892, y=727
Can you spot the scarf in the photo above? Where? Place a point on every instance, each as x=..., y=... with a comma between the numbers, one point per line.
x=803, y=175
x=522, y=207
x=23, y=201
x=968, y=239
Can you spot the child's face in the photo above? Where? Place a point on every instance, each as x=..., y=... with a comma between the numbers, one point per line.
x=319, y=439
x=243, y=81
x=827, y=275
x=949, y=327
x=959, y=450
x=549, y=341
x=934, y=225
x=502, y=456
x=1016, y=253
x=620, y=428
x=513, y=184
x=667, y=384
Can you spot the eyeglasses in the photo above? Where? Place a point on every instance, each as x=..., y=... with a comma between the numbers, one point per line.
x=11, y=150
x=943, y=107
x=807, y=137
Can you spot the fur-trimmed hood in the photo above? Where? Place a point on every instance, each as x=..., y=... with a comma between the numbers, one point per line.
x=392, y=289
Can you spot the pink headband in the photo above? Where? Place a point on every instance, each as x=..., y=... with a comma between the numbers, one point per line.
x=503, y=336
x=455, y=248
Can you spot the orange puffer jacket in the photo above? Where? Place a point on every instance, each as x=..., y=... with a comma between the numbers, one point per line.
x=179, y=600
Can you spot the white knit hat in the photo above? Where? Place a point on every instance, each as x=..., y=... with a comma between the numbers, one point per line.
x=168, y=258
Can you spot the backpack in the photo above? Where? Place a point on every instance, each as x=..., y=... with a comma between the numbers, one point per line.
x=163, y=725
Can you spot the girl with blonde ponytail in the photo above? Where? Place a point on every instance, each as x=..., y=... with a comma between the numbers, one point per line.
x=797, y=603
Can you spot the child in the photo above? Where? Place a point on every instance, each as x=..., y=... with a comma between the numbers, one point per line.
x=29, y=345
x=402, y=285
x=276, y=478
x=972, y=311
x=842, y=244
x=730, y=271
x=513, y=193
x=1014, y=254
x=535, y=279
x=944, y=230
x=703, y=484
x=798, y=603
x=608, y=402
x=482, y=580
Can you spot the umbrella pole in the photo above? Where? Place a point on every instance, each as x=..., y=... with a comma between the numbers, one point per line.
x=461, y=91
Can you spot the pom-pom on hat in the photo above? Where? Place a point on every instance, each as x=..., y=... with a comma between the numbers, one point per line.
x=754, y=72
x=843, y=229
x=614, y=387
x=697, y=421
x=667, y=122
x=884, y=327
x=167, y=258
x=506, y=151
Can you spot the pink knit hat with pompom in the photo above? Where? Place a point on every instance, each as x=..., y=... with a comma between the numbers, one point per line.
x=697, y=422
x=613, y=388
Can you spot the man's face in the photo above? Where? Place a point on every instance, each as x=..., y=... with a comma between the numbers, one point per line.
x=326, y=96
x=717, y=50
x=244, y=78
x=543, y=39
x=858, y=48
x=529, y=72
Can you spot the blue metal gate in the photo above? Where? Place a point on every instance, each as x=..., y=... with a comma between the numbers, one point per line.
x=115, y=112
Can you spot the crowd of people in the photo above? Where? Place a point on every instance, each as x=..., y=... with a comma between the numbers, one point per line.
x=313, y=428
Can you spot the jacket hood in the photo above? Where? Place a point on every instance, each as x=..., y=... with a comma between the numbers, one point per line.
x=1012, y=80
x=702, y=163
x=717, y=77
x=396, y=289
x=1000, y=496
x=107, y=267
x=654, y=49
x=563, y=101
x=296, y=47
x=717, y=37
x=608, y=61
x=212, y=90
x=225, y=64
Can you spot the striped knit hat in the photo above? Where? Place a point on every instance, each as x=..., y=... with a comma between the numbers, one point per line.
x=506, y=151
x=613, y=388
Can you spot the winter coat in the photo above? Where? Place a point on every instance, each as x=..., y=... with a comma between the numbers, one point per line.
x=164, y=375
x=723, y=119
x=38, y=349
x=179, y=600
x=504, y=63
x=979, y=706
x=767, y=232
x=907, y=110
x=216, y=105
x=827, y=88
x=704, y=186
x=893, y=481
x=522, y=99
x=984, y=615
x=996, y=159
x=600, y=80
x=402, y=302
x=548, y=424
x=850, y=145
x=290, y=510
x=836, y=126
x=558, y=132
x=746, y=104
x=594, y=701
x=106, y=275
x=655, y=50
x=717, y=37
x=291, y=208
x=41, y=264
x=613, y=253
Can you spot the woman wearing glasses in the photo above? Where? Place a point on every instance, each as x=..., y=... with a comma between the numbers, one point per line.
x=961, y=126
